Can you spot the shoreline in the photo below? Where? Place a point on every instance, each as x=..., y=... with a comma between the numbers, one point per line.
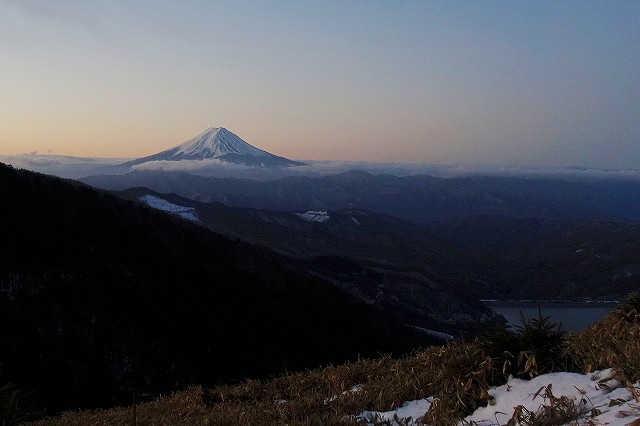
x=549, y=303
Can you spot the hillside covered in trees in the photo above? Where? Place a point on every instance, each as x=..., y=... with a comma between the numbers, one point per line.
x=102, y=299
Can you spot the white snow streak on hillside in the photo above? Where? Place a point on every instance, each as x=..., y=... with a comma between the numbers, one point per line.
x=312, y=216
x=615, y=404
x=433, y=333
x=188, y=213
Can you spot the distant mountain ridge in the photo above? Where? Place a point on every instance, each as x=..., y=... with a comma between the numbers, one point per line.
x=221, y=144
x=420, y=199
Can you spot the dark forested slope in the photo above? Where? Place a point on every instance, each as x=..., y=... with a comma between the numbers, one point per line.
x=101, y=298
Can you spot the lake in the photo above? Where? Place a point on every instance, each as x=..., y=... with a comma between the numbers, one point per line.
x=573, y=316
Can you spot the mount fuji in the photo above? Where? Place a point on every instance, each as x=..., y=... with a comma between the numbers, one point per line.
x=221, y=144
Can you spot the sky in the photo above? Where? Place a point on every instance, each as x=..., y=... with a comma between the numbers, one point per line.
x=517, y=83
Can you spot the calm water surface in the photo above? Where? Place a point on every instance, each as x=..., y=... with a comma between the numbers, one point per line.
x=573, y=316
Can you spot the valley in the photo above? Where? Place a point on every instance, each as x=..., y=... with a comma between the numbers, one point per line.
x=478, y=257
x=154, y=280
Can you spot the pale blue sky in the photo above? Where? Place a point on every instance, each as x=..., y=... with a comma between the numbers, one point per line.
x=524, y=83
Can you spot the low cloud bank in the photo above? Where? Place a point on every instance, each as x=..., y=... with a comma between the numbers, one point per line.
x=218, y=168
x=77, y=167
x=467, y=170
x=61, y=165
x=191, y=166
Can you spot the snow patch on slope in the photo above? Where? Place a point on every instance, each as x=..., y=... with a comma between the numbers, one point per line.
x=433, y=333
x=410, y=413
x=152, y=201
x=312, y=216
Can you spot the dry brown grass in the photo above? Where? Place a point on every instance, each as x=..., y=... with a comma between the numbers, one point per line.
x=613, y=341
x=457, y=375
x=556, y=411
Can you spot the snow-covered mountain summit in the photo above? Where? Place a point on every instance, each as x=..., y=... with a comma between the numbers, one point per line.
x=218, y=143
x=213, y=143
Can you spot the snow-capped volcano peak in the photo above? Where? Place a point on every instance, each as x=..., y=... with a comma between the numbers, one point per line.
x=218, y=143
x=215, y=142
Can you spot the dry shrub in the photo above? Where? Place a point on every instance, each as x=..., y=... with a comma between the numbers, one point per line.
x=554, y=412
x=612, y=342
x=14, y=406
x=9, y=398
x=461, y=383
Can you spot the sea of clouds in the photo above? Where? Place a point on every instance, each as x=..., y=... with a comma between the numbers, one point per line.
x=77, y=167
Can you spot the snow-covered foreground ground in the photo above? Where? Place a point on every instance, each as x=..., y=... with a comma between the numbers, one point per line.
x=598, y=398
